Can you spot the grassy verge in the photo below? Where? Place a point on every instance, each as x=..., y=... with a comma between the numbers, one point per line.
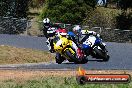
x=57, y=82
x=53, y=79
x=13, y=55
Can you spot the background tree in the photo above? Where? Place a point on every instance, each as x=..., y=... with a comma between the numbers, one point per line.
x=22, y=8
x=124, y=20
x=4, y=5
x=11, y=9
x=36, y=3
x=125, y=4
x=15, y=8
x=67, y=11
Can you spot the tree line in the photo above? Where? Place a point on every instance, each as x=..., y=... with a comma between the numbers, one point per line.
x=14, y=8
x=67, y=11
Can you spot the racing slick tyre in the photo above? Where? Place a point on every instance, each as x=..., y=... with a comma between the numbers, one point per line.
x=102, y=55
x=59, y=59
x=106, y=57
x=84, y=60
x=71, y=57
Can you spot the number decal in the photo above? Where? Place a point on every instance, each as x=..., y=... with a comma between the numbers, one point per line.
x=87, y=42
x=90, y=41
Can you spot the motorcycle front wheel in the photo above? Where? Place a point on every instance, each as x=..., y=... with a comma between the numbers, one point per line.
x=59, y=59
x=71, y=57
x=101, y=55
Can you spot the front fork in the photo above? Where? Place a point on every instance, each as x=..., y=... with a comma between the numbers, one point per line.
x=103, y=47
x=99, y=46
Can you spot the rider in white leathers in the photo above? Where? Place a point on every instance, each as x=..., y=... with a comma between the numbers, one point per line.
x=81, y=34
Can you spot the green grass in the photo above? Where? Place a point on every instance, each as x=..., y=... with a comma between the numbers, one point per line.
x=57, y=82
x=13, y=55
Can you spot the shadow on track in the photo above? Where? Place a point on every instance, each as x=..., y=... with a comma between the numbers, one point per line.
x=91, y=60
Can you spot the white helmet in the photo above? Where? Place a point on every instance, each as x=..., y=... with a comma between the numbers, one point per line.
x=46, y=20
x=77, y=28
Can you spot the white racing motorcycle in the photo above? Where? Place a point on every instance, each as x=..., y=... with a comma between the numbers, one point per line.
x=94, y=46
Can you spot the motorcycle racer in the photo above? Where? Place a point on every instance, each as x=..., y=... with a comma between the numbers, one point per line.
x=47, y=25
x=72, y=36
x=49, y=32
x=63, y=32
x=83, y=34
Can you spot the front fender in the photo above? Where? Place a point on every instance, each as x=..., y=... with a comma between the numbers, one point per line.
x=103, y=44
x=85, y=47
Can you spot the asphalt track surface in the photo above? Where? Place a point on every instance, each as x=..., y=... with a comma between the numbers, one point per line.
x=120, y=55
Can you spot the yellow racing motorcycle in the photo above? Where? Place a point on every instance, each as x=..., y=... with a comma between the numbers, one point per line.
x=63, y=46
